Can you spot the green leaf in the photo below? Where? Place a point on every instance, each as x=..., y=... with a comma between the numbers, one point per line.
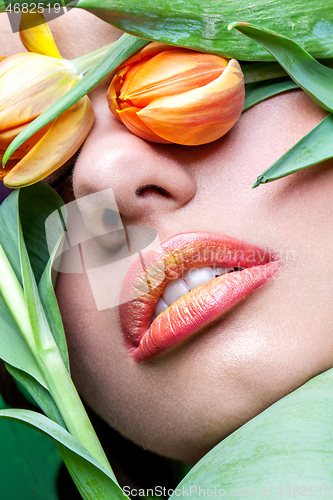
x=314, y=78
x=313, y=148
x=9, y=231
x=51, y=308
x=202, y=25
x=257, y=92
x=121, y=50
x=36, y=203
x=256, y=72
x=93, y=481
x=40, y=395
x=29, y=462
x=42, y=333
x=289, y=444
x=13, y=348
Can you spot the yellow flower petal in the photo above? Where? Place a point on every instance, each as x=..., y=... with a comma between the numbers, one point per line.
x=62, y=140
x=7, y=136
x=200, y=115
x=36, y=35
x=9, y=62
x=31, y=86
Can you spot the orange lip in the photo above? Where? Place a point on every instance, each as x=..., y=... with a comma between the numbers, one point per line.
x=147, y=277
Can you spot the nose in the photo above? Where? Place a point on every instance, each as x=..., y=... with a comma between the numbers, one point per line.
x=145, y=178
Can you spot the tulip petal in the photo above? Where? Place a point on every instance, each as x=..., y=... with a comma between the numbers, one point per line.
x=7, y=136
x=36, y=35
x=170, y=72
x=9, y=62
x=131, y=120
x=9, y=165
x=31, y=85
x=60, y=142
x=200, y=115
x=147, y=51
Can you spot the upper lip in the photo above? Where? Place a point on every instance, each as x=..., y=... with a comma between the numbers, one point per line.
x=145, y=280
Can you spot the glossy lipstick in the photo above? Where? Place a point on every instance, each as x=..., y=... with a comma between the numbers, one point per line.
x=148, y=275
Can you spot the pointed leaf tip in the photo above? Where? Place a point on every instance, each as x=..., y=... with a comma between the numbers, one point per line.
x=258, y=182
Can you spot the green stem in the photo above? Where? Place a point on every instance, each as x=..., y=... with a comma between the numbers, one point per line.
x=83, y=63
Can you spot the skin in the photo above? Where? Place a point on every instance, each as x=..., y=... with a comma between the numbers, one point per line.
x=185, y=401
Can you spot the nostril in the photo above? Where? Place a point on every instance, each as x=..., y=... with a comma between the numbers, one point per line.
x=149, y=189
x=111, y=218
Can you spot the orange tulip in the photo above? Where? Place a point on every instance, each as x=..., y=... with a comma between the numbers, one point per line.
x=29, y=83
x=169, y=94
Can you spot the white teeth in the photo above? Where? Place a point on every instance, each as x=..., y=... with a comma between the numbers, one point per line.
x=192, y=279
x=221, y=270
x=198, y=276
x=160, y=307
x=174, y=290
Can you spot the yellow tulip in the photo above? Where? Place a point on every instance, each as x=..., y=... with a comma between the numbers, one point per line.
x=173, y=95
x=29, y=83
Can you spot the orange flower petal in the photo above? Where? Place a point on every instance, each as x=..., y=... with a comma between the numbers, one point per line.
x=62, y=140
x=30, y=86
x=130, y=118
x=36, y=35
x=9, y=165
x=200, y=115
x=147, y=51
x=170, y=72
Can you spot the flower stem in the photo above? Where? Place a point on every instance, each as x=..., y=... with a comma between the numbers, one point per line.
x=82, y=64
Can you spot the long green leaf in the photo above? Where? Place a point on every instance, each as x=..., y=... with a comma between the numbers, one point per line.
x=121, y=50
x=314, y=78
x=202, y=25
x=313, y=148
x=40, y=395
x=29, y=462
x=51, y=308
x=36, y=203
x=258, y=92
x=13, y=349
x=290, y=444
x=93, y=481
x=256, y=72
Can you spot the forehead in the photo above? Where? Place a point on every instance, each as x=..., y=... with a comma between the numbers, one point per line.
x=75, y=33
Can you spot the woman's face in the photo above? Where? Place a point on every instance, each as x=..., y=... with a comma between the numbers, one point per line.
x=184, y=401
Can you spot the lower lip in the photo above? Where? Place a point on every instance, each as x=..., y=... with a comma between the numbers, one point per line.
x=200, y=306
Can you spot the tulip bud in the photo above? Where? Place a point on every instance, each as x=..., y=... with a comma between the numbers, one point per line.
x=29, y=83
x=173, y=95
